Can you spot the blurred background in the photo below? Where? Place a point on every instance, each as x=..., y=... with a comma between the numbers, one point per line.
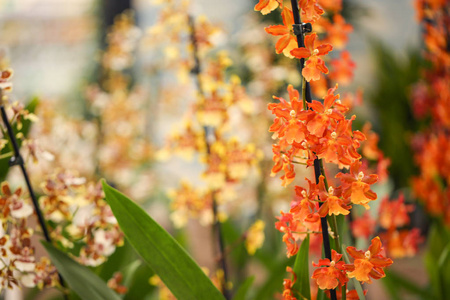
x=56, y=49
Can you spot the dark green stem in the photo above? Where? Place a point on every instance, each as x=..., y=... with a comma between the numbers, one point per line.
x=306, y=95
x=217, y=226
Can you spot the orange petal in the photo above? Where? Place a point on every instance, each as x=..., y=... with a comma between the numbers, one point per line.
x=277, y=30
x=321, y=66
x=288, y=17
x=362, y=270
x=301, y=53
x=282, y=43
x=309, y=42
x=324, y=49
x=375, y=246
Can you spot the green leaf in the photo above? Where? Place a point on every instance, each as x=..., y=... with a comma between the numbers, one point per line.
x=118, y=261
x=355, y=282
x=301, y=269
x=241, y=293
x=140, y=286
x=129, y=271
x=321, y=295
x=160, y=250
x=80, y=279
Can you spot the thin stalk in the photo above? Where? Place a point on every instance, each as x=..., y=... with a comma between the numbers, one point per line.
x=306, y=95
x=217, y=226
x=305, y=106
x=18, y=160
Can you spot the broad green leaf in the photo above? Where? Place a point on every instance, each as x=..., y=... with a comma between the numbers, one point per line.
x=118, y=261
x=436, y=259
x=444, y=257
x=129, y=271
x=301, y=269
x=160, y=250
x=140, y=286
x=242, y=292
x=433, y=274
x=355, y=282
x=80, y=279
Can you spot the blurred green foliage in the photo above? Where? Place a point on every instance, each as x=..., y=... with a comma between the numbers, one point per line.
x=390, y=96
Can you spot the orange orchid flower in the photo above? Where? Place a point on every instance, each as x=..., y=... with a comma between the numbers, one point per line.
x=368, y=264
x=314, y=65
x=338, y=31
x=266, y=6
x=310, y=11
x=288, y=40
x=306, y=207
x=332, y=204
x=332, y=5
x=332, y=272
x=288, y=284
x=283, y=161
x=337, y=144
x=402, y=243
x=342, y=70
x=319, y=87
x=288, y=123
x=289, y=226
x=356, y=185
x=321, y=115
x=394, y=213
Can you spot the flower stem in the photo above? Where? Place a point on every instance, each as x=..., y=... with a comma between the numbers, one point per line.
x=305, y=106
x=208, y=131
x=306, y=95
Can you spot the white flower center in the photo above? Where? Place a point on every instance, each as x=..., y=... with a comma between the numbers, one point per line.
x=333, y=135
x=360, y=175
x=330, y=190
x=304, y=194
x=367, y=254
x=293, y=113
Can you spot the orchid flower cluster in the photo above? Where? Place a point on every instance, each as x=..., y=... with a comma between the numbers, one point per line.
x=123, y=149
x=82, y=223
x=226, y=160
x=311, y=133
x=220, y=103
x=431, y=97
x=80, y=217
x=18, y=262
